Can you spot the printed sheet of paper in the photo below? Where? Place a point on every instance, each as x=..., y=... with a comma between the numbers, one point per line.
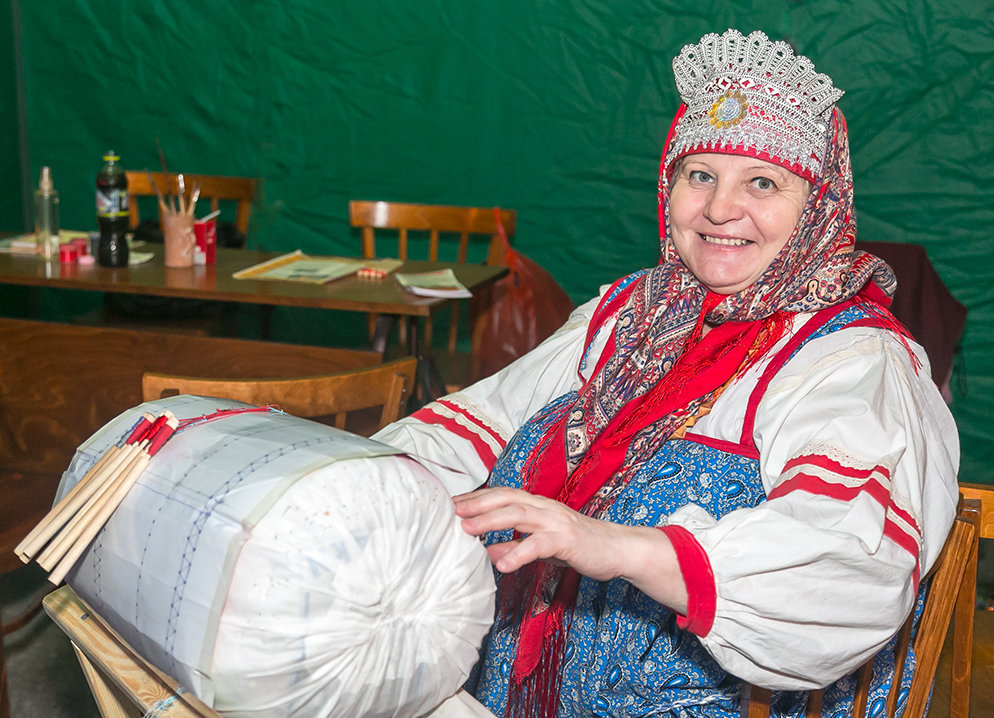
x=440, y=283
x=299, y=267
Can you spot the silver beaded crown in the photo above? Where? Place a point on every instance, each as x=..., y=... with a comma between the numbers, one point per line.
x=753, y=96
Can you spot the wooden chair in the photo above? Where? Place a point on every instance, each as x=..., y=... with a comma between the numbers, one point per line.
x=213, y=188
x=122, y=682
x=438, y=221
x=984, y=493
x=950, y=599
x=983, y=670
x=386, y=387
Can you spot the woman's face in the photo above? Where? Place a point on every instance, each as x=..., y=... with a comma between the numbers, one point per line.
x=730, y=215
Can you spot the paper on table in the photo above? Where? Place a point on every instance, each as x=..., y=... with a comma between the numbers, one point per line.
x=440, y=283
x=24, y=244
x=27, y=244
x=299, y=267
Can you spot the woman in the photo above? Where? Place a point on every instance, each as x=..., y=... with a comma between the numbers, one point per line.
x=731, y=466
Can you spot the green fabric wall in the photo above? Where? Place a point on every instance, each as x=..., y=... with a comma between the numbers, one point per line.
x=11, y=211
x=558, y=109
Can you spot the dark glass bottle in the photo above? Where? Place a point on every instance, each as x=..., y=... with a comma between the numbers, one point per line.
x=112, y=213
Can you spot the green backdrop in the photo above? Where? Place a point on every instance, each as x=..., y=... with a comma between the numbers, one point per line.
x=558, y=109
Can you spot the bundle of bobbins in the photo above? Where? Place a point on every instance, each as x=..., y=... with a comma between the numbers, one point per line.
x=371, y=273
x=59, y=539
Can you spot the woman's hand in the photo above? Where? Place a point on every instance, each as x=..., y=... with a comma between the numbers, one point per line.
x=598, y=549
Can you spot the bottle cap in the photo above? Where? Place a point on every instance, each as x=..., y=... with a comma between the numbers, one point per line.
x=45, y=184
x=111, y=156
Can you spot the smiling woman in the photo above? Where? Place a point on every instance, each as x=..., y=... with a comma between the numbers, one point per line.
x=731, y=466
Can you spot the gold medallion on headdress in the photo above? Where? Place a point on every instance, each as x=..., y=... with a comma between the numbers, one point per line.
x=728, y=110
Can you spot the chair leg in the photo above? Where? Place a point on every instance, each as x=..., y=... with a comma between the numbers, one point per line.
x=379, y=334
x=966, y=600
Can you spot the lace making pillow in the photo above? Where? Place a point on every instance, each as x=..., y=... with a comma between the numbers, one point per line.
x=275, y=566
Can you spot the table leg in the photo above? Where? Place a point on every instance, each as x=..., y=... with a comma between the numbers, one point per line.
x=429, y=380
x=381, y=334
x=429, y=384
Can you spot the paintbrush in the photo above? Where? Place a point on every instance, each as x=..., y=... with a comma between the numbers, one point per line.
x=162, y=202
x=165, y=169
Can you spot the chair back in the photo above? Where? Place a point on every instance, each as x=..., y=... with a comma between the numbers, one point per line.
x=950, y=600
x=385, y=386
x=984, y=493
x=438, y=220
x=213, y=188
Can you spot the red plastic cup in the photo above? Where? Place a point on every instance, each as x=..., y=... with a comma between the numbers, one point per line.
x=205, y=234
x=67, y=253
x=81, y=245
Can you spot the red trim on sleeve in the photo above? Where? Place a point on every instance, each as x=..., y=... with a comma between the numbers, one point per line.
x=814, y=484
x=482, y=448
x=455, y=408
x=904, y=516
x=702, y=594
x=824, y=462
x=907, y=538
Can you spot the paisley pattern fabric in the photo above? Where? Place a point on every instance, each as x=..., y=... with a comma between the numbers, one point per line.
x=624, y=654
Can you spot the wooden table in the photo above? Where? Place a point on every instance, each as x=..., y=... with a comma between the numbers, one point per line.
x=215, y=283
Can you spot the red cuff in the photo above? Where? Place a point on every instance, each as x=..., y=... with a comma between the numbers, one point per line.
x=698, y=577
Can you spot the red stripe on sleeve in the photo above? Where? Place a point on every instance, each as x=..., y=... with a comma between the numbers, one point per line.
x=695, y=566
x=893, y=530
x=813, y=484
x=823, y=462
x=905, y=516
x=902, y=538
x=427, y=416
x=475, y=421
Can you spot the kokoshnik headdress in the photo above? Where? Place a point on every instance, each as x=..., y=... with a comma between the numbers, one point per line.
x=750, y=95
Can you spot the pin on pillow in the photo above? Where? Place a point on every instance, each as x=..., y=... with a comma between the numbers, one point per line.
x=749, y=95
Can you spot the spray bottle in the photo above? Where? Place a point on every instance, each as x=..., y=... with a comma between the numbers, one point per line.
x=47, y=217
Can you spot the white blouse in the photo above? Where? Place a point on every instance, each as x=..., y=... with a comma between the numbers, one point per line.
x=858, y=456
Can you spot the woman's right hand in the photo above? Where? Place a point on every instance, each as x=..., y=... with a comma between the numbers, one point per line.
x=554, y=532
